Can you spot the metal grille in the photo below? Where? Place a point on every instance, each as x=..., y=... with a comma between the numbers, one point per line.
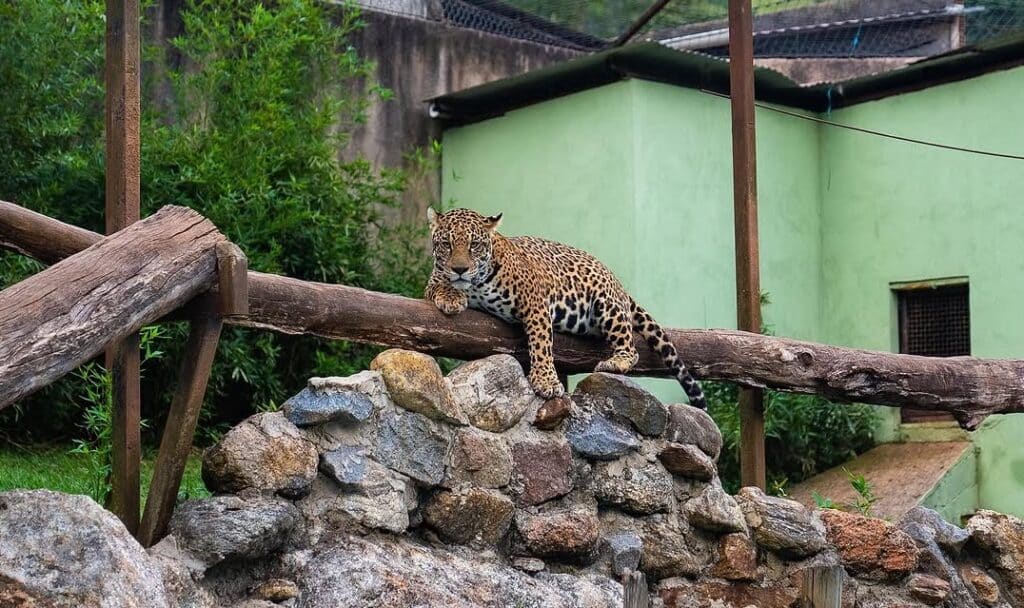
x=935, y=322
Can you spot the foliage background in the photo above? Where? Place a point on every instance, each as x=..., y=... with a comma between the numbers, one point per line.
x=242, y=122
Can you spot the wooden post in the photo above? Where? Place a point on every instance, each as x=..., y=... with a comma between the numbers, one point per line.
x=181, y=427
x=744, y=177
x=822, y=587
x=122, y=209
x=634, y=590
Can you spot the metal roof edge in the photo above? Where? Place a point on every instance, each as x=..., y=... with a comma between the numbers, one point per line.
x=655, y=62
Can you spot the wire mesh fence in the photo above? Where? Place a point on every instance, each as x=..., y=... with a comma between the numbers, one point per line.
x=783, y=28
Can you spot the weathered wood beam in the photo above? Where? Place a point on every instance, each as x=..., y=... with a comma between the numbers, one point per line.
x=180, y=428
x=969, y=388
x=56, y=320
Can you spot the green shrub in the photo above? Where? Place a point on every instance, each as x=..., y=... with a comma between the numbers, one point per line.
x=247, y=133
x=804, y=434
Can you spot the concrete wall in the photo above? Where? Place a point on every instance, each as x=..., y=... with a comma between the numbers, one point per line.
x=418, y=59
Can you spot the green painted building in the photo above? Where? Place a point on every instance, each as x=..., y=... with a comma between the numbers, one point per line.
x=627, y=155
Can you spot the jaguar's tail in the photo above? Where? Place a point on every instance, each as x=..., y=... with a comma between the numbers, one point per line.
x=647, y=327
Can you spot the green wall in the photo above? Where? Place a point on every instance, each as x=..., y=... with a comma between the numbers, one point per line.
x=639, y=173
x=893, y=212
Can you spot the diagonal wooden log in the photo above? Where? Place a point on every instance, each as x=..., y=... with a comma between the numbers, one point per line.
x=180, y=428
x=63, y=316
x=970, y=388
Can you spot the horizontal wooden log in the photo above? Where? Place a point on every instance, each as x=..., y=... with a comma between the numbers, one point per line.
x=67, y=314
x=970, y=388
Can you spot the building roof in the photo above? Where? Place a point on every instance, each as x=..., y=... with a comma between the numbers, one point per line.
x=656, y=62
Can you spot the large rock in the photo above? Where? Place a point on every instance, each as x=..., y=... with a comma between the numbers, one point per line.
x=469, y=515
x=344, y=400
x=714, y=510
x=624, y=551
x=569, y=533
x=927, y=589
x=923, y=524
x=687, y=460
x=689, y=425
x=347, y=466
x=61, y=551
x=737, y=558
x=983, y=586
x=265, y=453
x=871, y=548
x=226, y=527
x=595, y=437
x=633, y=484
x=552, y=413
x=379, y=499
x=541, y=470
x=623, y=401
x=414, y=445
x=780, y=525
x=415, y=383
x=671, y=547
x=928, y=529
x=480, y=459
x=999, y=539
x=493, y=392
x=382, y=571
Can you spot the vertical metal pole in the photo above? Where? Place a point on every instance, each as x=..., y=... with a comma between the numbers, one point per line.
x=122, y=209
x=744, y=176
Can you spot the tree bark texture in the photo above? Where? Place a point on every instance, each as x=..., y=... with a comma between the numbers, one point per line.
x=67, y=314
x=968, y=387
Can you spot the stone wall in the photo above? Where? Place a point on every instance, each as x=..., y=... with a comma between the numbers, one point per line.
x=398, y=486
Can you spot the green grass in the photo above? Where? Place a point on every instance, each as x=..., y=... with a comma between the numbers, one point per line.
x=56, y=469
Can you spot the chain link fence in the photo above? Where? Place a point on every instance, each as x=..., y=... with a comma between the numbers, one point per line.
x=783, y=28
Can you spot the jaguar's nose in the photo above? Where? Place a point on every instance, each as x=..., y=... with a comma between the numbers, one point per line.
x=459, y=269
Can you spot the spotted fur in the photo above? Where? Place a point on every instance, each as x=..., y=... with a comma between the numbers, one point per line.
x=543, y=285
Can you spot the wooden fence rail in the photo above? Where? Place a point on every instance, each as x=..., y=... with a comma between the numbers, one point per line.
x=54, y=321
x=969, y=388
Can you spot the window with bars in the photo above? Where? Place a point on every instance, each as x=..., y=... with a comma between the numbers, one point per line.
x=934, y=321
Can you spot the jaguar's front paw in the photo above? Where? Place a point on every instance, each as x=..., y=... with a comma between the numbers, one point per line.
x=451, y=304
x=546, y=385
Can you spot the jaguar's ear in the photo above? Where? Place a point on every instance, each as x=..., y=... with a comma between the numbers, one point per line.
x=493, y=222
x=432, y=218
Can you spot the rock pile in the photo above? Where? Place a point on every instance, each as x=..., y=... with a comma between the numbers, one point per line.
x=399, y=486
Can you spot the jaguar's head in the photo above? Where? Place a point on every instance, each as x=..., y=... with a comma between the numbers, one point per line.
x=463, y=244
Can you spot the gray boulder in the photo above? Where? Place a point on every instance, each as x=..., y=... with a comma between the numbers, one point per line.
x=345, y=400
x=715, y=511
x=479, y=458
x=688, y=424
x=382, y=571
x=265, y=453
x=781, y=525
x=622, y=400
x=381, y=499
x=493, y=392
x=227, y=527
x=62, y=551
x=624, y=551
x=633, y=484
x=595, y=437
x=414, y=445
